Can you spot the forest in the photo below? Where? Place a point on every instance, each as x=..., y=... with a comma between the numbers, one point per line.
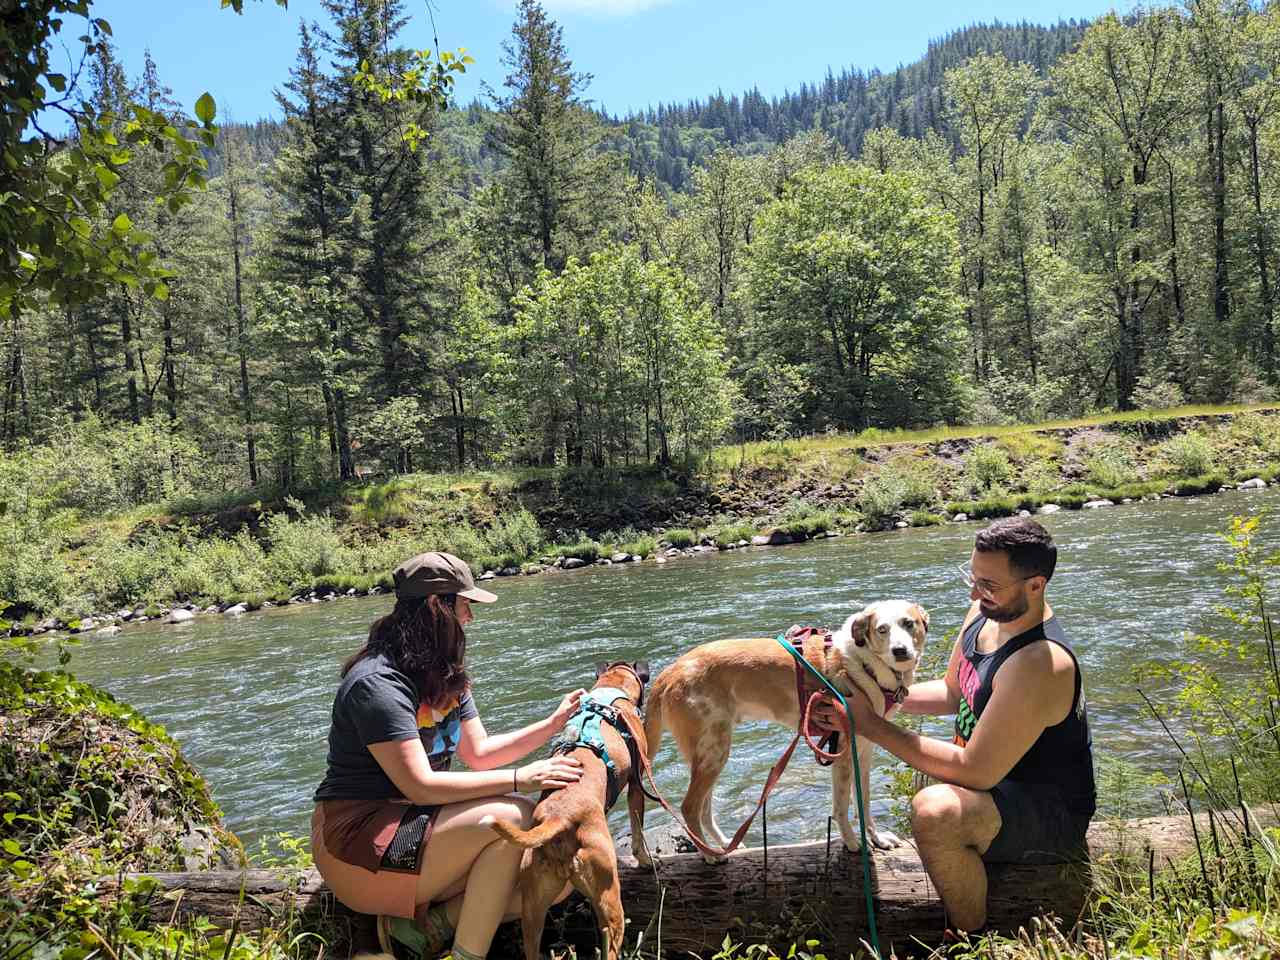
x=1029, y=222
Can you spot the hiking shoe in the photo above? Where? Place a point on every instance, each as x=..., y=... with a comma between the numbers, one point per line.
x=401, y=938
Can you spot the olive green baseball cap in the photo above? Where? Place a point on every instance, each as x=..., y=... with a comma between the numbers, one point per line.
x=434, y=573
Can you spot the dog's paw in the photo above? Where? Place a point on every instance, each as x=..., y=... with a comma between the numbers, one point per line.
x=883, y=839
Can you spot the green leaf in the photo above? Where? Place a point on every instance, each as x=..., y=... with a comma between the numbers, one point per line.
x=81, y=226
x=206, y=109
x=11, y=847
x=57, y=81
x=106, y=176
x=121, y=224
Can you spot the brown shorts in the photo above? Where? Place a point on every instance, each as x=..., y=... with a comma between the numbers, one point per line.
x=370, y=852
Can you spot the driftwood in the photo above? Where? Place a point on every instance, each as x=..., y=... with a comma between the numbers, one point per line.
x=798, y=890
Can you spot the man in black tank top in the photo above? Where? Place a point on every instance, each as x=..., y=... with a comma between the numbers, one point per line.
x=1017, y=778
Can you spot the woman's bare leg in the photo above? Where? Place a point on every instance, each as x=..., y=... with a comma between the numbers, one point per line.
x=467, y=863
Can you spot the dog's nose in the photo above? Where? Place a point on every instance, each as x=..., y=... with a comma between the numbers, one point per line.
x=901, y=653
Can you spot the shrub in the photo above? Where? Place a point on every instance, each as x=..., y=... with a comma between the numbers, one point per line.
x=516, y=533
x=923, y=518
x=881, y=498
x=125, y=573
x=584, y=549
x=1040, y=476
x=218, y=568
x=804, y=519
x=1187, y=454
x=32, y=572
x=919, y=479
x=628, y=540
x=730, y=533
x=1191, y=486
x=1111, y=462
x=680, y=537
x=301, y=549
x=987, y=469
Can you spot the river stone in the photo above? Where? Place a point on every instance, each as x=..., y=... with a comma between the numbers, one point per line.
x=179, y=615
x=573, y=563
x=771, y=538
x=1048, y=508
x=509, y=572
x=603, y=562
x=621, y=558
x=1024, y=513
x=659, y=559
x=901, y=525
x=1257, y=483
x=1095, y=504
x=487, y=575
x=636, y=558
x=351, y=592
x=124, y=614
x=109, y=631
x=743, y=543
x=87, y=623
x=672, y=552
x=235, y=611
x=960, y=518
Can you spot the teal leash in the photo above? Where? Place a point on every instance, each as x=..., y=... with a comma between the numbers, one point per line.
x=857, y=784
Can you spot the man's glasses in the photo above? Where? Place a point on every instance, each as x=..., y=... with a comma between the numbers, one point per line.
x=985, y=587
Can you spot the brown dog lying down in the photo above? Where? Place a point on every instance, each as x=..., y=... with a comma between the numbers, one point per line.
x=707, y=691
x=570, y=838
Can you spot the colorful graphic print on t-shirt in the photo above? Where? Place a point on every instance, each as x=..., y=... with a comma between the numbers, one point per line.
x=439, y=730
x=966, y=719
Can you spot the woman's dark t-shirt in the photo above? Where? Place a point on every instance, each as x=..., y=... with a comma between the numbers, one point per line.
x=376, y=703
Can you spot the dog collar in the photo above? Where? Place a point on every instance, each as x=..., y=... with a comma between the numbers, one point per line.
x=891, y=697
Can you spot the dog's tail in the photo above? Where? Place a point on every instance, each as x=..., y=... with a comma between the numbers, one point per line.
x=653, y=721
x=549, y=829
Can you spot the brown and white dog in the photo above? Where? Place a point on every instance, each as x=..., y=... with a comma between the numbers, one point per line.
x=707, y=691
x=570, y=839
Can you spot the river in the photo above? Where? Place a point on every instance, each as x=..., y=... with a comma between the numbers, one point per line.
x=249, y=698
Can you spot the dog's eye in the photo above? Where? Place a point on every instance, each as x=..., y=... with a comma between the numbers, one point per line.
x=883, y=628
x=908, y=624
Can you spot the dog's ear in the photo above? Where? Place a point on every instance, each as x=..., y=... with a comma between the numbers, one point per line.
x=924, y=616
x=601, y=667
x=860, y=626
x=641, y=668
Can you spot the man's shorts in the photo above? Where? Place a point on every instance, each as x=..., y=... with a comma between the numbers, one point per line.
x=1037, y=825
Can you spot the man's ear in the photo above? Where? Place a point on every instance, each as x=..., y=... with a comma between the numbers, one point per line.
x=860, y=626
x=641, y=668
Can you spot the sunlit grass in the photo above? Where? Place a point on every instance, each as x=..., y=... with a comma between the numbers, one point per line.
x=806, y=449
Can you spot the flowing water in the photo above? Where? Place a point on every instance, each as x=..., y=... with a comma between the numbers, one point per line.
x=249, y=698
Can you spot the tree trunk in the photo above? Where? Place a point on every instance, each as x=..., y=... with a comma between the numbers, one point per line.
x=803, y=889
x=1221, y=296
x=246, y=397
x=130, y=365
x=1262, y=246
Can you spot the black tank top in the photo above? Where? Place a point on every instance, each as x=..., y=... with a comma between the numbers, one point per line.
x=1063, y=754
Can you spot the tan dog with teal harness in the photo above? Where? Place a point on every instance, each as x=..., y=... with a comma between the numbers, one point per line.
x=570, y=839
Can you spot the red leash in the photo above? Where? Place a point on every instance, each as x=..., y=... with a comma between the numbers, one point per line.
x=770, y=782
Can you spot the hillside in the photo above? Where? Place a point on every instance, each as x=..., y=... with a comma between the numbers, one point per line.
x=667, y=141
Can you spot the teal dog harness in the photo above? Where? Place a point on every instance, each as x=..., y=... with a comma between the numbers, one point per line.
x=585, y=729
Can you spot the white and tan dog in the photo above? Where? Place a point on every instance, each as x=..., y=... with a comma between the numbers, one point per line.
x=707, y=691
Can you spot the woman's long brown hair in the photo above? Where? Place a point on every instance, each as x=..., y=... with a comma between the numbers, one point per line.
x=424, y=640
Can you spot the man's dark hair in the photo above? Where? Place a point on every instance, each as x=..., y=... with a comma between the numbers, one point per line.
x=1030, y=548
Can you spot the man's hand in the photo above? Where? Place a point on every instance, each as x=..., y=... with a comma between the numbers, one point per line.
x=828, y=715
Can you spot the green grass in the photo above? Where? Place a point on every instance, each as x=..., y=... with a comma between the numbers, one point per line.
x=728, y=457
x=681, y=537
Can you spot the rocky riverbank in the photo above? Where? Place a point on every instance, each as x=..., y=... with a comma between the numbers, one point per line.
x=557, y=522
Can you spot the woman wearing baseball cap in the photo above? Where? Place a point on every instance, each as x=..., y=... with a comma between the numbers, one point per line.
x=395, y=832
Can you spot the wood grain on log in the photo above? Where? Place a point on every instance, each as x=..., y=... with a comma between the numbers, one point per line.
x=807, y=890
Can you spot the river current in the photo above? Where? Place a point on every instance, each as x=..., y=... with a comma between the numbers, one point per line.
x=249, y=698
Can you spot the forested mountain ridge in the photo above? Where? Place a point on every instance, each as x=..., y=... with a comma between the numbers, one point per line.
x=1086, y=221
x=667, y=141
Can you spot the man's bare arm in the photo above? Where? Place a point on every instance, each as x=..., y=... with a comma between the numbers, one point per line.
x=1028, y=696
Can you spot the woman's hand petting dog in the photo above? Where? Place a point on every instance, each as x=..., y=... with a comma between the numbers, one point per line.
x=559, y=771
x=828, y=715
x=568, y=707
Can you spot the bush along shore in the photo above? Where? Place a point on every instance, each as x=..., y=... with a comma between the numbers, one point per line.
x=65, y=570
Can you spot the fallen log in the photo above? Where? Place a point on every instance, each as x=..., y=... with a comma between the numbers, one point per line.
x=794, y=891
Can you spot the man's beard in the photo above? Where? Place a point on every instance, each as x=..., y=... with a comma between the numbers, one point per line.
x=1005, y=614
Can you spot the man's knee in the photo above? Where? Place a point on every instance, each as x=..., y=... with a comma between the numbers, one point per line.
x=937, y=812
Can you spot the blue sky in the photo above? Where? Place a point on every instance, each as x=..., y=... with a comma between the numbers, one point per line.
x=640, y=52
